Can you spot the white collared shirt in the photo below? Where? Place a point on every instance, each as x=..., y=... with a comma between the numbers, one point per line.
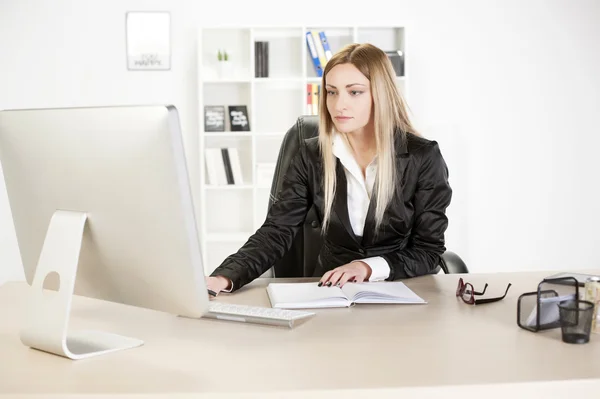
x=359, y=196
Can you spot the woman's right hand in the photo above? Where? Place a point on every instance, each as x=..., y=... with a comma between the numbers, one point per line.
x=217, y=284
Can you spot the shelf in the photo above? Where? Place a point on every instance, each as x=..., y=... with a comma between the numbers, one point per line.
x=261, y=34
x=280, y=106
x=227, y=134
x=291, y=79
x=333, y=31
x=270, y=134
x=229, y=214
x=243, y=134
x=235, y=43
x=225, y=81
x=385, y=37
x=228, y=237
x=313, y=79
x=228, y=187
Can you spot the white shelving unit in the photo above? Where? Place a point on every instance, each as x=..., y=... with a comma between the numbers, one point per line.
x=229, y=214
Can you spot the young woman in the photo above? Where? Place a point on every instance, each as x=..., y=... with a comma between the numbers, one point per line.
x=379, y=188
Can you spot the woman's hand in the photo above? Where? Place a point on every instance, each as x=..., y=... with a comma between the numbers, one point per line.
x=355, y=272
x=217, y=284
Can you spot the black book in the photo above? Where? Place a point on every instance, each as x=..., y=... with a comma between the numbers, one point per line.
x=397, y=59
x=238, y=118
x=257, y=59
x=265, y=57
x=227, y=163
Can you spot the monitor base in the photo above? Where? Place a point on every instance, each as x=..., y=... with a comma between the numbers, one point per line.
x=48, y=311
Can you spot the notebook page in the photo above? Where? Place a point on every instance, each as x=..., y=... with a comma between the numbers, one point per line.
x=305, y=295
x=381, y=292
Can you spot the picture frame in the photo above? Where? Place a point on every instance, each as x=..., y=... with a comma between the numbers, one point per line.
x=214, y=118
x=238, y=118
x=148, y=40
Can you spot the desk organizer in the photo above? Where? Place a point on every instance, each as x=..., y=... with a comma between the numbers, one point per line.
x=538, y=310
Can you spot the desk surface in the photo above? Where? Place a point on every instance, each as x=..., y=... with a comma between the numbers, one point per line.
x=385, y=347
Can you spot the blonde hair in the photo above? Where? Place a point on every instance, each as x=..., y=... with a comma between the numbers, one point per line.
x=390, y=118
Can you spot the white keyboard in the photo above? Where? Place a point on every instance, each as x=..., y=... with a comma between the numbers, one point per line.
x=255, y=314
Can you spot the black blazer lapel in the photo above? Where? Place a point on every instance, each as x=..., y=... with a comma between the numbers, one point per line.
x=369, y=235
x=369, y=229
x=340, y=203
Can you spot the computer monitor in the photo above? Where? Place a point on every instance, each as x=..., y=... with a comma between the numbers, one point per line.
x=100, y=198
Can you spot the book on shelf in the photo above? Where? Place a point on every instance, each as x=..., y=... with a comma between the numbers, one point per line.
x=310, y=295
x=257, y=59
x=261, y=59
x=236, y=166
x=318, y=50
x=315, y=98
x=325, y=45
x=312, y=98
x=309, y=97
x=397, y=59
x=214, y=118
x=238, y=118
x=312, y=53
x=223, y=166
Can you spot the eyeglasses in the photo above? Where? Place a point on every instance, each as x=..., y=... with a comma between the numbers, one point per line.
x=467, y=293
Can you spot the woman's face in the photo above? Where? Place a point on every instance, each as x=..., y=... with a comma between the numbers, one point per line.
x=349, y=99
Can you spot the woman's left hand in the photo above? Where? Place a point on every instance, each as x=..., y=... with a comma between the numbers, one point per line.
x=355, y=272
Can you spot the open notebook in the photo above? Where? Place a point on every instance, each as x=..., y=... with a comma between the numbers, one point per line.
x=310, y=295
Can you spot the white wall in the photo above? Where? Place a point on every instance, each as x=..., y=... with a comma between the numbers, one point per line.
x=509, y=88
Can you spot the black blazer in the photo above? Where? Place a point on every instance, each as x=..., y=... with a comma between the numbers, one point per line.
x=411, y=238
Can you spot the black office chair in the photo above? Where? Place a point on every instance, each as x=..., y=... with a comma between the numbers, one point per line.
x=301, y=259
x=451, y=263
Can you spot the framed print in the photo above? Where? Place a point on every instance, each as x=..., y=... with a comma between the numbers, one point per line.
x=238, y=118
x=214, y=118
x=148, y=36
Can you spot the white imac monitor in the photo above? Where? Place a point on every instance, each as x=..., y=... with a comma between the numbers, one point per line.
x=102, y=208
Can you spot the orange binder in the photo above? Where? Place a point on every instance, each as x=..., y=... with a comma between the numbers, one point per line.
x=315, y=98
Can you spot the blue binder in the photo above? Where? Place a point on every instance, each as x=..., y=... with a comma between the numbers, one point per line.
x=328, y=53
x=312, y=52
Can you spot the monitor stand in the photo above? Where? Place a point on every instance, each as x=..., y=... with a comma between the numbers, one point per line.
x=47, y=318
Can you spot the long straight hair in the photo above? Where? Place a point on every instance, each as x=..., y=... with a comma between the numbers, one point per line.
x=390, y=118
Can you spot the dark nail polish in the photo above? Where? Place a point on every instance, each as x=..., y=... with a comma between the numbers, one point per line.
x=329, y=284
x=320, y=284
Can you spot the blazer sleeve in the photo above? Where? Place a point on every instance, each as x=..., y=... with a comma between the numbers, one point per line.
x=274, y=238
x=426, y=243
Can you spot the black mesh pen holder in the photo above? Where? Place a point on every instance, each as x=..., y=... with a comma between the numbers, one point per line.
x=539, y=310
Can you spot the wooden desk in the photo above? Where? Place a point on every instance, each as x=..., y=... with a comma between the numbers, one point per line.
x=444, y=347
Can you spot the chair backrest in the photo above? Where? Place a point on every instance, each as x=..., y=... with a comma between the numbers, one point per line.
x=301, y=259
x=451, y=263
